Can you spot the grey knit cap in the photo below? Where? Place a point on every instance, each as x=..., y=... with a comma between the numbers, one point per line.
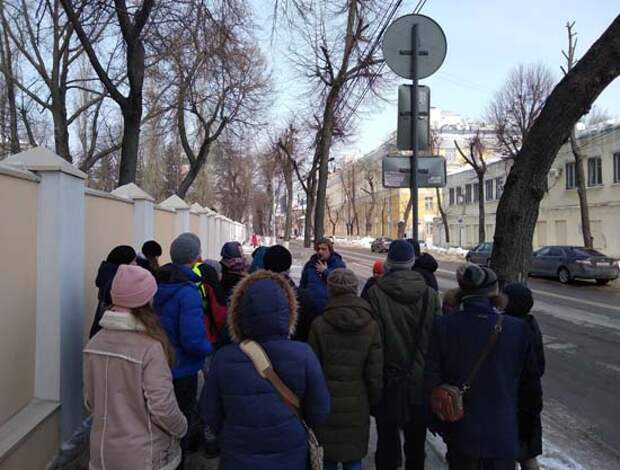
x=185, y=249
x=475, y=280
x=342, y=281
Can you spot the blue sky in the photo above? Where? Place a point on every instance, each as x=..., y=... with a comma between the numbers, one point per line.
x=486, y=38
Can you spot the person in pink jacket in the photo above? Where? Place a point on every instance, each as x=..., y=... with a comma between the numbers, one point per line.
x=137, y=423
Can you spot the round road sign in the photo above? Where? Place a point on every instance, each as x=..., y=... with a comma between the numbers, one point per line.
x=432, y=46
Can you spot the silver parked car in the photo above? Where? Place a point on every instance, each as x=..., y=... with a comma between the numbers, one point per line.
x=572, y=262
x=480, y=255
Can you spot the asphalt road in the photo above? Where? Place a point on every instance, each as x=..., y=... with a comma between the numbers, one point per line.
x=581, y=328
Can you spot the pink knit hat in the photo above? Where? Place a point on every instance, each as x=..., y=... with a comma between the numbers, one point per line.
x=132, y=287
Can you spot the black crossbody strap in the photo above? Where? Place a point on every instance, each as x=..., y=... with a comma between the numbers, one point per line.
x=497, y=330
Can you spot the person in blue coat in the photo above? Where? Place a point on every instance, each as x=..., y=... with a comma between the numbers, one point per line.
x=317, y=269
x=178, y=305
x=255, y=427
x=508, y=382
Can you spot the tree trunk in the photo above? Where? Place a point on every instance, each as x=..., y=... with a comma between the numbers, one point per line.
x=402, y=226
x=580, y=181
x=9, y=82
x=527, y=181
x=308, y=220
x=444, y=216
x=481, y=214
x=61, y=130
x=131, y=141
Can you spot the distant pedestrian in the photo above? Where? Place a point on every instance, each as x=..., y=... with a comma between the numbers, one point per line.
x=425, y=264
x=234, y=267
x=128, y=386
x=258, y=258
x=378, y=271
x=316, y=270
x=256, y=429
x=404, y=308
x=151, y=251
x=178, y=305
x=347, y=341
x=488, y=360
x=120, y=255
x=254, y=240
x=520, y=303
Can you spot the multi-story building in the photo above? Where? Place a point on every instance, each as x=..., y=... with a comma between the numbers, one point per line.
x=559, y=220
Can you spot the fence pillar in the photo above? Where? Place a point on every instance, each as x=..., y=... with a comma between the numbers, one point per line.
x=211, y=236
x=182, y=213
x=202, y=228
x=60, y=283
x=143, y=212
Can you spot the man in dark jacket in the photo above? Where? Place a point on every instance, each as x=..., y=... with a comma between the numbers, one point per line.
x=520, y=303
x=316, y=270
x=122, y=254
x=178, y=305
x=425, y=264
x=234, y=267
x=347, y=342
x=404, y=308
x=508, y=380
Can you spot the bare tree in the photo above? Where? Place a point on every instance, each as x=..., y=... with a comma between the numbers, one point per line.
x=347, y=178
x=435, y=142
x=287, y=146
x=334, y=215
x=132, y=21
x=475, y=159
x=526, y=184
x=517, y=105
x=371, y=190
x=235, y=173
x=340, y=57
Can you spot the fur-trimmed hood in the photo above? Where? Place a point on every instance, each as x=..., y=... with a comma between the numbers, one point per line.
x=263, y=305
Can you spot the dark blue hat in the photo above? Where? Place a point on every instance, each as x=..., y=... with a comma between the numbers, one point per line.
x=401, y=256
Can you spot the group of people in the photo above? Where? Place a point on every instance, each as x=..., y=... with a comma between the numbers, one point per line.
x=283, y=362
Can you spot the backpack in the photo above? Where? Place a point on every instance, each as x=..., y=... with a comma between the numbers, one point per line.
x=214, y=312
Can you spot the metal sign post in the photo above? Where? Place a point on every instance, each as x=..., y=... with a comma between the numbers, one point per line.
x=414, y=131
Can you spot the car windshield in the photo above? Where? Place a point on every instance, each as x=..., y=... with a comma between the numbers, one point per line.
x=586, y=252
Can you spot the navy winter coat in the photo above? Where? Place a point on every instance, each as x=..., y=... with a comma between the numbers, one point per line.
x=255, y=428
x=507, y=381
x=178, y=305
x=316, y=283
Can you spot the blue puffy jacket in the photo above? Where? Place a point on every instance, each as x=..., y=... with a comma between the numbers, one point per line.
x=178, y=305
x=507, y=381
x=316, y=283
x=255, y=428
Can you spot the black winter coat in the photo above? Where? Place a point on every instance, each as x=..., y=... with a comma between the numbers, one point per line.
x=105, y=276
x=348, y=343
x=426, y=265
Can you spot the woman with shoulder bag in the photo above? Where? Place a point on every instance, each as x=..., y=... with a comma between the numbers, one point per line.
x=257, y=426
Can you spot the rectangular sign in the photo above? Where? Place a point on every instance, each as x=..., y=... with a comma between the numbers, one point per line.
x=404, y=138
x=397, y=171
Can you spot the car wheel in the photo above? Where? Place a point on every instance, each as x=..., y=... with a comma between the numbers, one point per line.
x=564, y=275
x=602, y=282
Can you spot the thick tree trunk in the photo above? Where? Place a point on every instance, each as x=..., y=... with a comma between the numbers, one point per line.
x=61, y=130
x=580, y=181
x=9, y=84
x=527, y=181
x=444, y=216
x=131, y=141
x=481, y=214
x=308, y=220
x=402, y=227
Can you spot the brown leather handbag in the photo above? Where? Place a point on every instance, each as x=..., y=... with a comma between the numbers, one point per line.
x=446, y=399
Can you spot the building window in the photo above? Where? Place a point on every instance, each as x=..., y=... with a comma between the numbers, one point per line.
x=499, y=187
x=595, y=171
x=617, y=167
x=428, y=203
x=475, y=190
x=451, y=196
x=468, y=194
x=488, y=186
x=570, y=176
x=459, y=195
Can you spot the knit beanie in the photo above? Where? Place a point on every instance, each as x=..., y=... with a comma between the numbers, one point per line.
x=231, y=250
x=342, y=281
x=132, y=287
x=400, y=256
x=185, y=249
x=122, y=254
x=377, y=267
x=278, y=259
x=152, y=249
x=215, y=265
x=520, y=299
x=475, y=280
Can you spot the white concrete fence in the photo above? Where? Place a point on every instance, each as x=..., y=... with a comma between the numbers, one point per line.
x=54, y=234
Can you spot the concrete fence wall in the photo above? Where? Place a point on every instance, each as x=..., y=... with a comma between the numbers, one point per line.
x=54, y=234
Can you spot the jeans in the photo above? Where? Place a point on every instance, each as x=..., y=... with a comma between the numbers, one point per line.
x=389, y=449
x=460, y=461
x=185, y=390
x=345, y=466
